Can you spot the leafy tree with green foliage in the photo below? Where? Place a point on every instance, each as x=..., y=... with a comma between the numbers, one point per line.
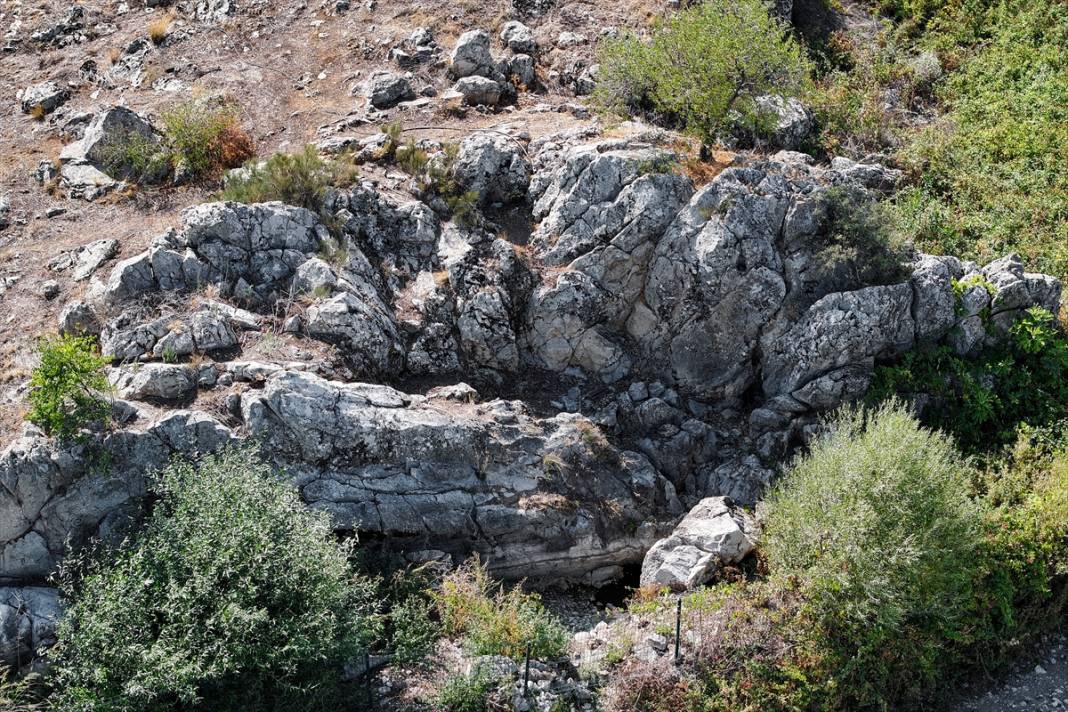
x=703, y=67
x=65, y=388
x=234, y=596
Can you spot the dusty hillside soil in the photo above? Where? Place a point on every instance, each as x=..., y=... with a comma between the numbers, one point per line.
x=290, y=66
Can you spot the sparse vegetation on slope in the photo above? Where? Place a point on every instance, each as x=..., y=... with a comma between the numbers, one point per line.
x=299, y=179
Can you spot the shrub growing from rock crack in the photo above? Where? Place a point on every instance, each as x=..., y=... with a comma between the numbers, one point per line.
x=66, y=387
x=234, y=596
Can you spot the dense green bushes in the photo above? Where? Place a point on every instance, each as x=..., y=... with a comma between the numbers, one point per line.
x=981, y=400
x=235, y=596
x=66, y=387
x=876, y=526
x=703, y=67
x=994, y=170
x=494, y=620
x=890, y=567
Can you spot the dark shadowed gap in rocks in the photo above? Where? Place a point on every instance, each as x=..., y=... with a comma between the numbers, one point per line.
x=515, y=222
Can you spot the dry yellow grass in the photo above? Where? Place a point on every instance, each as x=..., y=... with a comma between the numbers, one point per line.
x=159, y=29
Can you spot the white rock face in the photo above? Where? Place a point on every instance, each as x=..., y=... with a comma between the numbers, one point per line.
x=712, y=534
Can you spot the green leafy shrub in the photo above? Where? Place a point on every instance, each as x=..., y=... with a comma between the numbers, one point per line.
x=703, y=67
x=860, y=241
x=135, y=157
x=235, y=596
x=494, y=620
x=980, y=401
x=877, y=525
x=299, y=179
x=1025, y=557
x=436, y=177
x=468, y=693
x=414, y=631
x=65, y=388
x=204, y=138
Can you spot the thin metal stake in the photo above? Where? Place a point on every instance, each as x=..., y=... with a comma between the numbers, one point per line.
x=367, y=677
x=526, y=672
x=678, y=628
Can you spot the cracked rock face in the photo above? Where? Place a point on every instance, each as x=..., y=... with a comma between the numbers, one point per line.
x=534, y=496
x=51, y=496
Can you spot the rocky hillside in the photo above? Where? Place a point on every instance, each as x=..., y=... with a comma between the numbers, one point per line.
x=492, y=322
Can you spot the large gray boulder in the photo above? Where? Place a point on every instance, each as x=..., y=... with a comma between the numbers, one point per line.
x=712, y=534
x=45, y=97
x=362, y=329
x=384, y=90
x=479, y=91
x=518, y=37
x=493, y=166
x=163, y=381
x=94, y=165
x=471, y=55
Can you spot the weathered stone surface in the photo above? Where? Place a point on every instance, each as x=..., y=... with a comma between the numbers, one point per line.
x=250, y=251
x=518, y=37
x=127, y=338
x=164, y=381
x=478, y=90
x=471, y=55
x=493, y=166
x=385, y=90
x=840, y=330
x=92, y=256
x=712, y=534
x=793, y=124
x=467, y=477
x=79, y=319
x=28, y=619
x=48, y=96
x=363, y=331
x=53, y=497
